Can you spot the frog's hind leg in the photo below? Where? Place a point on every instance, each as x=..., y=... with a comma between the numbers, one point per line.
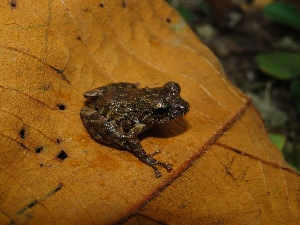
x=91, y=119
x=148, y=159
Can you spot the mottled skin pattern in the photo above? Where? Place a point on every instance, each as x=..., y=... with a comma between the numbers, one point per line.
x=118, y=112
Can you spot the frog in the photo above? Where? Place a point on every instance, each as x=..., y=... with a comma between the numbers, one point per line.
x=115, y=114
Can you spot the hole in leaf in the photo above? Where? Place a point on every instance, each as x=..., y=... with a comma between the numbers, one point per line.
x=22, y=133
x=13, y=3
x=38, y=149
x=62, y=155
x=61, y=106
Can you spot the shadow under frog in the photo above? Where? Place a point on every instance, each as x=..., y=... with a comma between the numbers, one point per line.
x=117, y=113
x=165, y=130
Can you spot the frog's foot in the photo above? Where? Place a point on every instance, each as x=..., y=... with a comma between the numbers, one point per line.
x=153, y=162
x=148, y=159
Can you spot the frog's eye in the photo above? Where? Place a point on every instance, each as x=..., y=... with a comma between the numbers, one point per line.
x=172, y=87
x=161, y=109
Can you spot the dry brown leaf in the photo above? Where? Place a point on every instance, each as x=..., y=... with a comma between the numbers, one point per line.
x=225, y=169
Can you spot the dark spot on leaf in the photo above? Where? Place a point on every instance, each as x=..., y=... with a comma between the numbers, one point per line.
x=23, y=146
x=101, y=5
x=13, y=3
x=57, y=70
x=62, y=155
x=168, y=20
x=28, y=206
x=38, y=149
x=47, y=87
x=22, y=133
x=58, y=141
x=124, y=4
x=78, y=38
x=61, y=106
x=33, y=203
x=60, y=185
x=56, y=189
x=61, y=73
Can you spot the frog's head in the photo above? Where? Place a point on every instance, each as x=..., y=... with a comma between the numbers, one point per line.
x=169, y=105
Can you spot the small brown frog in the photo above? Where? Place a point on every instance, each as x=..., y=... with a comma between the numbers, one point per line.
x=118, y=112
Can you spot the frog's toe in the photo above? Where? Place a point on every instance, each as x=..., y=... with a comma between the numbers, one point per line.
x=155, y=153
x=168, y=166
x=157, y=172
x=150, y=161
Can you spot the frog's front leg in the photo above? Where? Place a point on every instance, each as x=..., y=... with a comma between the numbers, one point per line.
x=136, y=148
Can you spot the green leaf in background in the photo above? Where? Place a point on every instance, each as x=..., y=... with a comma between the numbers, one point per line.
x=295, y=93
x=284, y=13
x=186, y=13
x=281, y=65
x=278, y=140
